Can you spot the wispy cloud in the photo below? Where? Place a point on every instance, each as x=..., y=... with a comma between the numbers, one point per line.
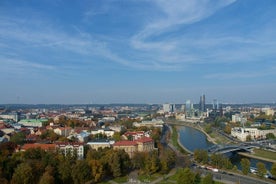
x=242, y=75
x=17, y=66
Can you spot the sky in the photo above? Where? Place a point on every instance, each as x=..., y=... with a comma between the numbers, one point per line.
x=137, y=51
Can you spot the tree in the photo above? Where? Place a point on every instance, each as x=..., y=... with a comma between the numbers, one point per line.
x=47, y=177
x=186, y=176
x=270, y=136
x=64, y=170
x=227, y=129
x=261, y=169
x=201, y=156
x=81, y=172
x=117, y=136
x=208, y=179
x=273, y=170
x=23, y=175
x=248, y=138
x=245, y=164
x=97, y=170
x=18, y=138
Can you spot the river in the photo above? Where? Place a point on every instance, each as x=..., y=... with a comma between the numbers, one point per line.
x=193, y=139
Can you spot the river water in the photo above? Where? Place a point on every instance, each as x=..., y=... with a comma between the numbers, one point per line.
x=193, y=139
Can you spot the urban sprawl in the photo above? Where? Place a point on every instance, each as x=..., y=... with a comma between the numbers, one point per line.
x=95, y=143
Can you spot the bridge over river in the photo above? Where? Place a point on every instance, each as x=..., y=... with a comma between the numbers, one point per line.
x=223, y=149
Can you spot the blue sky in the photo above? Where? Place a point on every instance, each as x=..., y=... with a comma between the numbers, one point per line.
x=137, y=51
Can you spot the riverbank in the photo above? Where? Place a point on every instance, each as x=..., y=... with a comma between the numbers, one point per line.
x=183, y=147
x=176, y=141
x=249, y=155
x=198, y=127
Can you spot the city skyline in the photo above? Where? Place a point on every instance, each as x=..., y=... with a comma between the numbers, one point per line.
x=128, y=51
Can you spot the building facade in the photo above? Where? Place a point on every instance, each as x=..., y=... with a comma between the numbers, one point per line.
x=253, y=133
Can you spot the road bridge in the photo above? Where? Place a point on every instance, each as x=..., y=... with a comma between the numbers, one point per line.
x=221, y=149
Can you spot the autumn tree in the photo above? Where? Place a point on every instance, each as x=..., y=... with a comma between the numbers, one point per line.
x=261, y=169
x=273, y=169
x=185, y=176
x=48, y=176
x=245, y=164
x=23, y=174
x=201, y=156
x=81, y=172
x=208, y=179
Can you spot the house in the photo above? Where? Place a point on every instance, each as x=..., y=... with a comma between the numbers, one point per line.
x=130, y=147
x=63, y=131
x=134, y=135
x=152, y=123
x=45, y=147
x=144, y=144
x=100, y=144
x=83, y=136
x=105, y=131
x=71, y=148
x=253, y=133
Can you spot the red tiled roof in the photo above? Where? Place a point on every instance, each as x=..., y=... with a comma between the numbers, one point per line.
x=144, y=140
x=125, y=143
x=42, y=146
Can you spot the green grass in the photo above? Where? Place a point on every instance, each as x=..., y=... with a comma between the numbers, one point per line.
x=175, y=140
x=265, y=154
x=174, y=177
x=148, y=178
x=122, y=179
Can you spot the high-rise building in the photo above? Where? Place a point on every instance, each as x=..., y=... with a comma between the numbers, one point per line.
x=168, y=107
x=188, y=105
x=215, y=104
x=202, y=103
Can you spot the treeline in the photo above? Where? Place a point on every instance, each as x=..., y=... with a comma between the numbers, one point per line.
x=38, y=166
x=216, y=160
x=220, y=161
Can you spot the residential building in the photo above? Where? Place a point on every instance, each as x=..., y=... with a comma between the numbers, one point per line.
x=33, y=122
x=71, y=148
x=63, y=131
x=130, y=147
x=100, y=144
x=144, y=144
x=152, y=123
x=254, y=133
x=105, y=131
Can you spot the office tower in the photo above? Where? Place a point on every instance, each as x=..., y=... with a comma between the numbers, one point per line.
x=202, y=103
x=169, y=107
x=215, y=104
x=188, y=105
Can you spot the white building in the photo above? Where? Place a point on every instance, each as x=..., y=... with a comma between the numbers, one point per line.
x=63, y=131
x=105, y=131
x=71, y=148
x=254, y=133
x=100, y=144
x=152, y=123
x=238, y=118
